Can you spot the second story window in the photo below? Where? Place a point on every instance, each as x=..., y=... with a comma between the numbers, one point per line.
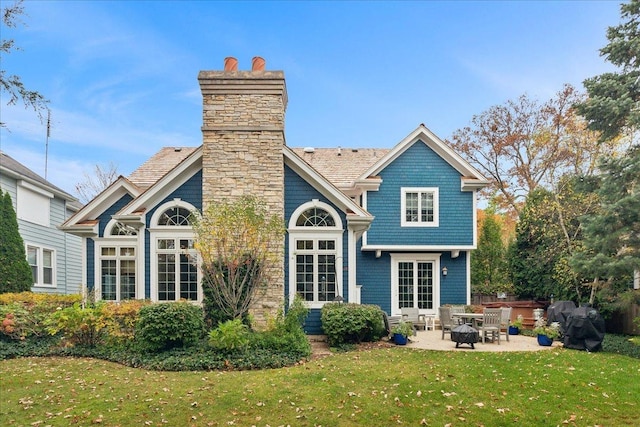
x=420, y=207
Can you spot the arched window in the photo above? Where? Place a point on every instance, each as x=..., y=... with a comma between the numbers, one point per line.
x=315, y=217
x=315, y=247
x=175, y=215
x=120, y=229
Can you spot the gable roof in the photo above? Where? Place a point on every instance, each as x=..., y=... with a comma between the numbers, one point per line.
x=11, y=167
x=470, y=177
x=159, y=165
x=341, y=166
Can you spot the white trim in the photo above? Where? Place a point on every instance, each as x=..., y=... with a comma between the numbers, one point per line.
x=40, y=265
x=39, y=190
x=316, y=233
x=118, y=242
x=397, y=248
x=420, y=191
x=315, y=203
x=176, y=233
x=468, y=277
x=415, y=257
x=320, y=183
x=175, y=203
x=421, y=133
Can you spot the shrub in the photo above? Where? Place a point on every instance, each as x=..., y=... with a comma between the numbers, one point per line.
x=285, y=334
x=230, y=335
x=23, y=314
x=352, y=323
x=167, y=325
x=78, y=325
x=119, y=320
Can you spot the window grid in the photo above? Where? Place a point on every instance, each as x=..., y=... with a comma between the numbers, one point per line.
x=425, y=285
x=405, y=284
x=177, y=270
x=420, y=206
x=177, y=216
x=118, y=273
x=315, y=217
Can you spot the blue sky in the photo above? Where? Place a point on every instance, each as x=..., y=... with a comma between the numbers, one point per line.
x=121, y=76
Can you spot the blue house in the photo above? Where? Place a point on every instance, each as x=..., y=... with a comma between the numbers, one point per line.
x=391, y=227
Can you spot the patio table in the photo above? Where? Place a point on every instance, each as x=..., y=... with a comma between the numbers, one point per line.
x=471, y=318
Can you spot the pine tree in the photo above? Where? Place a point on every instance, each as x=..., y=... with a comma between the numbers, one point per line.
x=15, y=273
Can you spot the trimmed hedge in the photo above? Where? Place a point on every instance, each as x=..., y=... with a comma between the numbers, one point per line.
x=352, y=323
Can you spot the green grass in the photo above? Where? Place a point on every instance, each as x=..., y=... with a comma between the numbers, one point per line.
x=382, y=387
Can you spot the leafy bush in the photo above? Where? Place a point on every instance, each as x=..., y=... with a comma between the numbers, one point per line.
x=352, y=323
x=621, y=344
x=119, y=320
x=230, y=335
x=285, y=334
x=23, y=314
x=78, y=325
x=168, y=325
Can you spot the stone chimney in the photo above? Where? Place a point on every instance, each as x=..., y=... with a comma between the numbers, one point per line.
x=243, y=138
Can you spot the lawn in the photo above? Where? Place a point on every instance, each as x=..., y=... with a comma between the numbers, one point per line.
x=380, y=387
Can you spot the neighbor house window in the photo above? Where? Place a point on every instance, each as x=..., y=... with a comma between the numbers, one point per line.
x=117, y=273
x=42, y=263
x=420, y=207
x=315, y=243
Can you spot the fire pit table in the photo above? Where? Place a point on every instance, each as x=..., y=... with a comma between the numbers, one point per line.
x=465, y=334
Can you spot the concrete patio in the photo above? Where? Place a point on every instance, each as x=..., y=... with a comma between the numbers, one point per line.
x=432, y=340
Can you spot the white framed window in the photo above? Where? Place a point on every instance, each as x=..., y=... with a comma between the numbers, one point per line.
x=315, y=246
x=420, y=206
x=415, y=282
x=117, y=271
x=42, y=262
x=175, y=272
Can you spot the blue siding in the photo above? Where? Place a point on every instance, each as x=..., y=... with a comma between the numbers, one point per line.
x=298, y=192
x=419, y=166
x=374, y=274
x=453, y=287
x=105, y=216
x=190, y=192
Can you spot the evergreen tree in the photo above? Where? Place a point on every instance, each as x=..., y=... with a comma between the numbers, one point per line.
x=15, y=273
x=613, y=105
x=612, y=235
x=488, y=262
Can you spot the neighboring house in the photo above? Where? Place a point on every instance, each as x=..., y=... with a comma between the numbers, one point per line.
x=387, y=227
x=55, y=257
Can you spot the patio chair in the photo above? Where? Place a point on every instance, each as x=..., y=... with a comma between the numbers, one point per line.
x=505, y=320
x=412, y=314
x=446, y=321
x=491, y=324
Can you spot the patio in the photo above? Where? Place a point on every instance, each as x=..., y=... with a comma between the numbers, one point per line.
x=432, y=340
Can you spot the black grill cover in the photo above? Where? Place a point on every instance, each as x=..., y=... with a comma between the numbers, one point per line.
x=465, y=334
x=584, y=329
x=559, y=312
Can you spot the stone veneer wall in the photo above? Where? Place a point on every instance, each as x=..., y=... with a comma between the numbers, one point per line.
x=243, y=138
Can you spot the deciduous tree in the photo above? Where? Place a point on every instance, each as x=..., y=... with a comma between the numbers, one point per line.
x=12, y=85
x=236, y=241
x=524, y=144
x=489, y=272
x=93, y=184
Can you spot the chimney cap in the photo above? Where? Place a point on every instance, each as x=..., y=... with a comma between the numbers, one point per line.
x=230, y=64
x=257, y=63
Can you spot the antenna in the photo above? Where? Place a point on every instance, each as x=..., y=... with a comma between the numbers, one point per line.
x=46, y=149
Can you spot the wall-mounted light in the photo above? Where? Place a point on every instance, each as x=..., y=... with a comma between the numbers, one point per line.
x=444, y=271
